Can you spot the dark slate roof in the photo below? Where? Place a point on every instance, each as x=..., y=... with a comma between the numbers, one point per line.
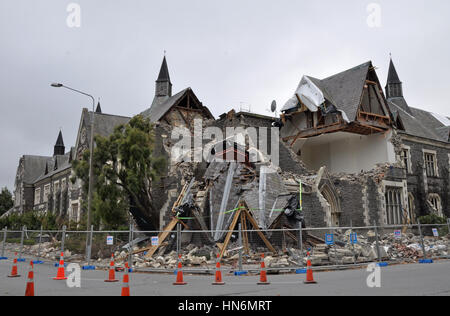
x=344, y=90
x=61, y=162
x=34, y=167
x=164, y=72
x=419, y=123
x=105, y=124
x=393, y=76
x=161, y=105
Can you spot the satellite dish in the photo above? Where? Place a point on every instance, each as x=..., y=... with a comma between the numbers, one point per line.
x=273, y=107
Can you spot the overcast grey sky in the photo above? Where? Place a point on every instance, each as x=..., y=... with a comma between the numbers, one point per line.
x=230, y=52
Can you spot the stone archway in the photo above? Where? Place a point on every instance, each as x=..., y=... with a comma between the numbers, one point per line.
x=335, y=209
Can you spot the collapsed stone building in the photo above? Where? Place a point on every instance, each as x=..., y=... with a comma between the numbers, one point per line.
x=348, y=152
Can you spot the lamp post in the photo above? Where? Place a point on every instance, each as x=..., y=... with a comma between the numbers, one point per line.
x=91, y=151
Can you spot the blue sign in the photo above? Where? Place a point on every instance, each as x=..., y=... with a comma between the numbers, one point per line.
x=353, y=238
x=329, y=239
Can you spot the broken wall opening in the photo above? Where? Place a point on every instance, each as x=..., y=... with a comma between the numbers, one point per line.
x=343, y=152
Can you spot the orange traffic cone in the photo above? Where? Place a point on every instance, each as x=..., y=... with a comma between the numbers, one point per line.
x=309, y=272
x=61, y=272
x=218, y=279
x=14, y=273
x=126, y=281
x=180, y=274
x=263, y=275
x=112, y=271
x=30, y=283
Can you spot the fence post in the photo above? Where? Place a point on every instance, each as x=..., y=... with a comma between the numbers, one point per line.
x=377, y=242
x=130, y=252
x=178, y=239
x=40, y=242
x=90, y=245
x=351, y=241
x=300, y=238
x=422, y=241
x=63, y=238
x=22, y=241
x=448, y=226
x=240, y=246
x=5, y=232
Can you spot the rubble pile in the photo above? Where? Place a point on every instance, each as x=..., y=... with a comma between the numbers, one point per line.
x=407, y=249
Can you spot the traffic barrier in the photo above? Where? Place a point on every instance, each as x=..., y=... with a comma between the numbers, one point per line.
x=180, y=280
x=426, y=261
x=218, y=278
x=29, y=291
x=126, y=282
x=112, y=271
x=309, y=272
x=61, y=271
x=263, y=273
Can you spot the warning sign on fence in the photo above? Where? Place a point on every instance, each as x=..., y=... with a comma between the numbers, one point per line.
x=155, y=241
x=435, y=232
x=398, y=234
x=110, y=240
x=329, y=239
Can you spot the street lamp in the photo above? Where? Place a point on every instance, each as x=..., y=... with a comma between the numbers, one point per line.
x=91, y=151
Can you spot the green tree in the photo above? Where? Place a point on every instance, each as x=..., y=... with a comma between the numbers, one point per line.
x=6, y=201
x=125, y=169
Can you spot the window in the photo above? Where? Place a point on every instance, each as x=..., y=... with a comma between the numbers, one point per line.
x=63, y=184
x=435, y=201
x=405, y=156
x=430, y=164
x=37, y=196
x=46, y=192
x=56, y=187
x=394, y=209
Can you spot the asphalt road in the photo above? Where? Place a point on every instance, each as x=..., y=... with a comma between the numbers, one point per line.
x=410, y=280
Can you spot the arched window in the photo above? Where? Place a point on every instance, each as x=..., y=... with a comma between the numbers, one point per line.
x=434, y=201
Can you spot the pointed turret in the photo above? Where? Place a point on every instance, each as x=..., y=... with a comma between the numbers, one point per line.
x=163, y=84
x=59, y=148
x=99, y=108
x=394, y=87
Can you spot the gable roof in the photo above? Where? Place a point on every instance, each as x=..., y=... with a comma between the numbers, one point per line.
x=161, y=105
x=345, y=89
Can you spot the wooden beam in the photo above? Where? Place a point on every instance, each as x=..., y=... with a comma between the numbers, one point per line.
x=244, y=234
x=230, y=232
x=261, y=235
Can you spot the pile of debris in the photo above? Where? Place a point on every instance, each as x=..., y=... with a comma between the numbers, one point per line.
x=406, y=249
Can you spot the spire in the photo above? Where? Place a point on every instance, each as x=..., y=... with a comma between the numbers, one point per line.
x=59, y=148
x=163, y=84
x=394, y=87
x=99, y=108
x=393, y=76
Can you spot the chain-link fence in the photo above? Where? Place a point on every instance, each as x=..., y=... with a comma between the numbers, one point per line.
x=239, y=250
